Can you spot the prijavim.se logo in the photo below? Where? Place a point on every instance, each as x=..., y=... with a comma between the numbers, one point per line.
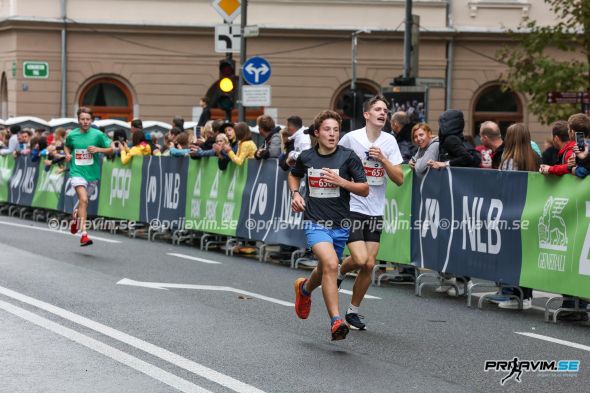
x=516, y=367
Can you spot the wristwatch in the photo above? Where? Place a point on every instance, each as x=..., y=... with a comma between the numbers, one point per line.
x=293, y=193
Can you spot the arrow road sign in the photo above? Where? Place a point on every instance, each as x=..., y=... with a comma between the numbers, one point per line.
x=256, y=70
x=227, y=38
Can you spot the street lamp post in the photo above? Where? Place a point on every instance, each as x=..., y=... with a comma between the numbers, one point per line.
x=353, y=77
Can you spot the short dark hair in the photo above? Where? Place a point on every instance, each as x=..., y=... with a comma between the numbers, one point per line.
x=368, y=104
x=84, y=109
x=265, y=123
x=295, y=121
x=176, y=131
x=137, y=123
x=579, y=122
x=182, y=139
x=325, y=115
x=216, y=126
x=120, y=135
x=178, y=122
x=401, y=118
x=15, y=129
x=205, y=100
x=560, y=129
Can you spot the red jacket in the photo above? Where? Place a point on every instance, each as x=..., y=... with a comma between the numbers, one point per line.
x=564, y=154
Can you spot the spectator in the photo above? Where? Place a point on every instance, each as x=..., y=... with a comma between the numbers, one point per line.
x=272, y=138
x=221, y=143
x=12, y=141
x=205, y=114
x=491, y=139
x=228, y=130
x=180, y=147
x=298, y=140
x=286, y=147
x=452, y=150
x=565, y=146
x=136, y=126
x=24, y=143
x=205, y=149
x=3, y=139
x=427, y=148
x=402, y=130
x=39, y=148
x=140, y=147
x=550, y=154
x=518, y=155
x=178, y=122
x=246, y=147
x=581, y=162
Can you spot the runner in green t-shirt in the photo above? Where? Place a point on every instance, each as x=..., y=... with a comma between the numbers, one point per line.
x=82, y=148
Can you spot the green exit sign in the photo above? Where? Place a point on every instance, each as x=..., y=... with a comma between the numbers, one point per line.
x=36, y=69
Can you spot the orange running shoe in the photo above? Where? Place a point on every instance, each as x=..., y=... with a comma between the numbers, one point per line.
x=85, y=241
x=339, y=330
x=302, y=302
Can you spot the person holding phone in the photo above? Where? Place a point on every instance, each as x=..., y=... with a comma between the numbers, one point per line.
x=562, y=140
x=580, y=162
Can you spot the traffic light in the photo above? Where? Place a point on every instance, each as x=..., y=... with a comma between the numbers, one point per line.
x=403, y=81
x=227, y=84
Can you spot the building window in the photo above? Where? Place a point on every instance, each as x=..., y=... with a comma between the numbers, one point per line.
x=342, y=105
x=108, y=98
x=494, y=104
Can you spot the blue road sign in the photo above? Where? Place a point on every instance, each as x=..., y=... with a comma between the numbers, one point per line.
x=256, y=70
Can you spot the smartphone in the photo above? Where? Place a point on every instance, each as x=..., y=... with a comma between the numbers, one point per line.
x=580, y=141
x=198, y=131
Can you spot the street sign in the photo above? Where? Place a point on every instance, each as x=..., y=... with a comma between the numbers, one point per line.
x=228, y=9
x=251, y=31
x=256, y=95
x=36, y=69
x=256, y=70
x=227, y=38
x=570, y=97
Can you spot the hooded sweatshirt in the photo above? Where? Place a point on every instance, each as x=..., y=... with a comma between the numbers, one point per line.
x=452, y=149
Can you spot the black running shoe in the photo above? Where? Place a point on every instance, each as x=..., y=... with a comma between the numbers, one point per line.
x=355, y=321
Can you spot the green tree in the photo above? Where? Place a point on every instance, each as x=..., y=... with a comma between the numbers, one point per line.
x=543, y=59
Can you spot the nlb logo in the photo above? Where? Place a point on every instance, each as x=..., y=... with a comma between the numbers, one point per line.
x=260, y=199
x=24, y=179
x=473, y=224
x=120, y=185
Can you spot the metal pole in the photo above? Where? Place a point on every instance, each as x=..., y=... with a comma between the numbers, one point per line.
x=64, y=63
x=353, y=79
x=243, y=24
x=408, y=40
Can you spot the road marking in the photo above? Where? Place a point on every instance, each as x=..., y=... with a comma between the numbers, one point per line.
x=164, y=285
x=177, y=360
x=183, y=256
x=555, y=340
x=347, y=292
x=150, y=370
x=102, y=239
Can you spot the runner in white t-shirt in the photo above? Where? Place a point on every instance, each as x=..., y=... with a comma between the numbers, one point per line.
x=380, y=155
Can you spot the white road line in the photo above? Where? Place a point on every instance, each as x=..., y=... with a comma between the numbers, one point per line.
x=555, y=340
x=102, y=239
x=177, y=360
x=183, y=256
x=166, y=285
x=347, y=292
x=150, y=370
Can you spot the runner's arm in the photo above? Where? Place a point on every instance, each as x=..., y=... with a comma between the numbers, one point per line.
x=394, y=172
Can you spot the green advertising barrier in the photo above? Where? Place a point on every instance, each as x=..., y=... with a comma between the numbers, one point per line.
x=49, y=187
x=397, y=221
x=6, y=168
x=214, y=197
x=120, y=188
x=556, y=241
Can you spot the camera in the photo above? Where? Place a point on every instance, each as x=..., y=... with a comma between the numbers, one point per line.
x=580, y=141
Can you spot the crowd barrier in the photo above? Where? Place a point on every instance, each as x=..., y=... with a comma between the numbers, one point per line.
x=509, y=227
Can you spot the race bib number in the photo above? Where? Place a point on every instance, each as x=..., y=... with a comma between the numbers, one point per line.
x=83, y=157
x=319, y=187
x=375, y=172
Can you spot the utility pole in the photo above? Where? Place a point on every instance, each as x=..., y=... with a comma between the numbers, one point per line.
x=243, y=24
x=408, y=40
x=353, y=76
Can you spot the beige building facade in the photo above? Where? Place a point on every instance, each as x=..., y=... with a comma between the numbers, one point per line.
x=155, y=59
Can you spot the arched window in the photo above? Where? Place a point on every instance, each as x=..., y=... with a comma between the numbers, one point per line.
x=108, y=98
x=502, y=107
x=342, y=103
x=3, y=97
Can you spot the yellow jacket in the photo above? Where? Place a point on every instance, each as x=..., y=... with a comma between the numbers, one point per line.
x=143, y=149
x=246, y=149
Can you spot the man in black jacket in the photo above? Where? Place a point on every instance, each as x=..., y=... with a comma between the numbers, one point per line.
x=272, y=138
x=452, y=150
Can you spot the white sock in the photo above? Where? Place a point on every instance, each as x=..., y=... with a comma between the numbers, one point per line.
x=84, y=233
x=352, y=309
x=340, y=275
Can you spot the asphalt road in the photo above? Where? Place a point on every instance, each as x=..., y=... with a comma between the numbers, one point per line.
x=68, y=324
